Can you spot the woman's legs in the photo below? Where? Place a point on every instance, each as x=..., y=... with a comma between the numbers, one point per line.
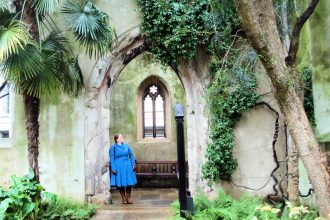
x=123, y=195
x=128, y=194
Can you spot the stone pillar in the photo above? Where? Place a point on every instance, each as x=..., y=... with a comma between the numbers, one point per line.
x=194, y=76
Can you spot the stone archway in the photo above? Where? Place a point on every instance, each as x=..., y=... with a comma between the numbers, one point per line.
x=194, y=77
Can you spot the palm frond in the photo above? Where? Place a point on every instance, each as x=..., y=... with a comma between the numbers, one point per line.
x=13, y=37
x=44, y=7
x=5, y=16
x=44, y=83
x=23, y=65
x=59, y=73
x=55, y=41
x=73, y=78
x=89, y=25
x=45, y=70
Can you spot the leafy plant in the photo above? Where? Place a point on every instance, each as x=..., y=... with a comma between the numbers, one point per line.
x=176, y=28
x=298, y=212
x=89, y=25
x=66, y=209
x=22, y=201
x=247, y=207
x=231, y=93
x=306, y=78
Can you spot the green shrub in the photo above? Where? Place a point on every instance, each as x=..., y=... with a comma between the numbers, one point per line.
x=247, y=207
x=25, y=200
x=66, y=209
x=22, y=199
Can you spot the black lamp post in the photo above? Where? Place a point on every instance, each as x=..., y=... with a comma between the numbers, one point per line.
x=179, y=115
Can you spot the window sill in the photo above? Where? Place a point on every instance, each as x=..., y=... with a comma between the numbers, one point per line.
x=5, y=143
x=154, y=140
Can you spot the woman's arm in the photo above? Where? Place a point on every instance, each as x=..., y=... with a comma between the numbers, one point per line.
x=112, y=158
x=131, y=157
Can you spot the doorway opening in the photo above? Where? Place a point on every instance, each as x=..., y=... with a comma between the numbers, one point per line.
x=142, y=101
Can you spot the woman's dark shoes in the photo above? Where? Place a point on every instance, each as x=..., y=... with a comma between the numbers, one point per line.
x=123, y=198
x=128, y=199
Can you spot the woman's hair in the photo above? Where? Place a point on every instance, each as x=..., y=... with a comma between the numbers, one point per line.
x=116, y=137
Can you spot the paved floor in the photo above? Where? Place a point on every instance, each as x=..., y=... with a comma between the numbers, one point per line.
x=147, y=204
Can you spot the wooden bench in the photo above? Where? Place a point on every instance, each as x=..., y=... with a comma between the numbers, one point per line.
x=158, y=173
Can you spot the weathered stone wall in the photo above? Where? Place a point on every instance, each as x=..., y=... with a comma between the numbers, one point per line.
x=13, y=158
x=320, y=47
x=254, y=150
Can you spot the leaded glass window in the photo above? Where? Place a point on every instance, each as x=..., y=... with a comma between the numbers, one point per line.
x=153, y=112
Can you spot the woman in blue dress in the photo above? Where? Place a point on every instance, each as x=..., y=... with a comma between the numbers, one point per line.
x=122, y=165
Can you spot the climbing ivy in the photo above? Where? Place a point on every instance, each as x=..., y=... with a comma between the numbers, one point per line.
x=231, y=93
x=175, y=29
x=306, y=78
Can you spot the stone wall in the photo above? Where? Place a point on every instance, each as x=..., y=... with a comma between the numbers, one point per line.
x=255, y=147
x=320, y=52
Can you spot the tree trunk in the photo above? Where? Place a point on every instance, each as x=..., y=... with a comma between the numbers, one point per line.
x=293, y=175
x=258, y=20
x=32, y=107
x=293, y=156
x=32, y=104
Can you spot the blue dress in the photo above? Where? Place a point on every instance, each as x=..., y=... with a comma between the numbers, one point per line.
x=122, y=160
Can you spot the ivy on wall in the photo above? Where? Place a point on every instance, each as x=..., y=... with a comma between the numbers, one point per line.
x=231, y=93
x=306, y=78
x=175, y=29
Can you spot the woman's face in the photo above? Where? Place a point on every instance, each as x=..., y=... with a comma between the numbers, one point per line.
x=120, y=139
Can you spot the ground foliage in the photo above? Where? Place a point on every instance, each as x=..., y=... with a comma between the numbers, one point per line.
x=22, y=201
x=175, y=30
x=247, y=207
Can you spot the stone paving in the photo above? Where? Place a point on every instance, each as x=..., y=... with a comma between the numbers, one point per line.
x=147, y=204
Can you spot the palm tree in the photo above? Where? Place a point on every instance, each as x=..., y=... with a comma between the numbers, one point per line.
x=35, y=63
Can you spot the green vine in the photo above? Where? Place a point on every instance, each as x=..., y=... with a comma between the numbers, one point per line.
x=306, y=78
x=231, y=93
x=176, y=29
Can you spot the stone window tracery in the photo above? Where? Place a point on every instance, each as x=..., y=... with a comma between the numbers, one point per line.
x=153, y=112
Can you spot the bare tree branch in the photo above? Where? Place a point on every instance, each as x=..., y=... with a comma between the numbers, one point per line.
x=294, y=41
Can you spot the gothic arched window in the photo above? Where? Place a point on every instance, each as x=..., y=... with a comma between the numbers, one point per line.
x=153, y=112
